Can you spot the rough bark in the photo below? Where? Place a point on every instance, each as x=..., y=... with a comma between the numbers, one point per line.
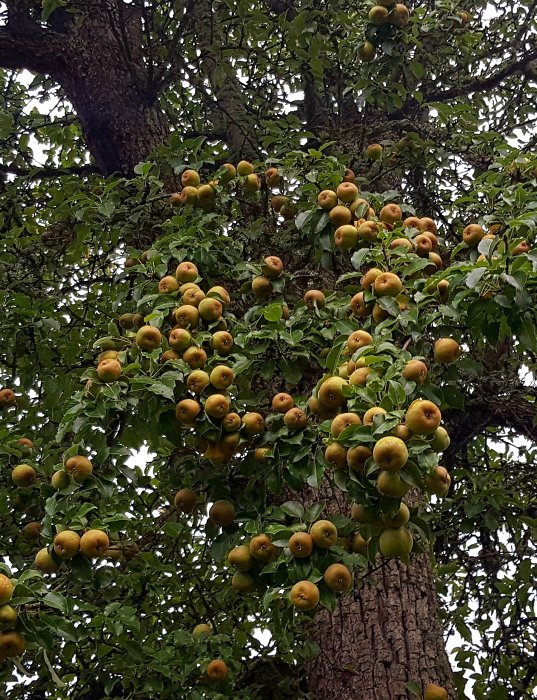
x=383, y=635
x=96, y=56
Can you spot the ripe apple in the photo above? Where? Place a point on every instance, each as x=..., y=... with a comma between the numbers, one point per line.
x=186, y=316
x=44, y=562
x=148, y=338
x=272, y=267
x=217, y=669
x=338, y=578
x=370, y=414
x=190, y=178
x=187, y=410
x=446, y=350
x=390, y=453
x=23, y=475
x=195, y=357
x=300, y=545
x=395, y=542
x=327, y=199
x=186, y=500
x=373, y=151
x=387, y=284
x=222, y=513
x=433, y=691
x=295, y=419
x=282, y=402
x=66, y=544
x=400, y=518
x=262, y=549
x=186, y=272
x=217, y=405
x=253, y=423
x=314, y=296
x=357, y=456
x=472, y=234
x=305, y=595
x=331, y=392
x=416, y=371
x=222, y=342
x=336, y=455
x=244, y=168
x=366, y=51
x=324, y=534
x=11, y=644
x=240, y=558
x=344, y=420
x=423, y=417
x=94, y=543
x=109, y=371
x=6, y=589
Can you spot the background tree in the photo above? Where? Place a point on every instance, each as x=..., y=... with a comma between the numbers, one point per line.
x=122, y=98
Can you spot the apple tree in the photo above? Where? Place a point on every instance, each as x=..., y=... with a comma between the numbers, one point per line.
x=267, y=402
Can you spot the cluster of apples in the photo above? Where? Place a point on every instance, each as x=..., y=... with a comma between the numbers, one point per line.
x=262, y=285
x=67, y=544
x=12, y=643
x=385, y=12
x=249, y=559
x=194, y=193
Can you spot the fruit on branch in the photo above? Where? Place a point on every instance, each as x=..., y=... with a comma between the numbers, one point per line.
x=423, y=417
x=347, y=192
x=8, y=617
x=6, y=589
x=401, y=431
x=336, y=455
x=327, y=199
x=195, y=357
x=222, y=377
x=242, y=582
x=168, y=355
x=229, y=173
x=217, y=405
x=79, y=467
x=44, y=562
x=231, y=423
x=295, y=419
x=25, y=442
x=346, y=237
x=368, y=231
x=391, y=484
x=202, y=630
x=11, y=644
x=416, y=371
x=282, y=402
x=148, y=338
x=240, y=558
x=187, y=410
x=66, y=544
x=179, y=339
x=390, y=453
x=423, y=245
x=441, y=440
x=186, y=316
x=244, y=168
x=261, y=287
x=369, y=278
x=358, y=544
x=370, y=414
x=252, y=183
x=94, y=543
x=472, y=234
x=340, y=216
x=32, y=531
x=357, y=340
x=186, y=272
x=272, y=267
x=401, y=243
x=61, y=479
x=438, y=482
x=395, y=542
x=278, y=201
x=446, y=350
x=399, y=16
x=373, y=151
x=314, y=296
x=337, y=578
x=387, y=284
x=262, y=549
x=300, y=545
x=378, y=15
x=344, y=420
x=109, y=370
x=188, y=195
x=520, y=248
x=272, y=177
x=305, y=595
x=391, y=213
x=222, y=513
x=186, y=500
x=192, y=296
x=217, y=669
x=359, y=307
x=23, y=475
x=222, y=342
x=367, y=51
x=253, y=423
x=8, y=399
x=331, y=392
x=433, y=691
x=400, y=518
x=323, y=534
x=168, y=285
x=288, y=210
x=206, y=195
x=190, y=178
x=357, y=456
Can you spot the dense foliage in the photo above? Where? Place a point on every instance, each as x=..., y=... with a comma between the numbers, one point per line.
x=450, y=99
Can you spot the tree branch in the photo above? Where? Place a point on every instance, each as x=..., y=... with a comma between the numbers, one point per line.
x=510, y=69
x=33, y=48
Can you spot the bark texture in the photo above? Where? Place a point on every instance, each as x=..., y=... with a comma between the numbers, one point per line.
x=97, y=57
x=382, y=637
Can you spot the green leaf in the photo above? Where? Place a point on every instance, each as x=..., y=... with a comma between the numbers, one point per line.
x=293, y=508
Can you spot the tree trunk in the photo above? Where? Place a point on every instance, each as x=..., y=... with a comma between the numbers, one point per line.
x=384, y=634
x=387, y=635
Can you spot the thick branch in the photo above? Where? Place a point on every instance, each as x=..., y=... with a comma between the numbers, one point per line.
x=35, y=51
x=510, y=69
